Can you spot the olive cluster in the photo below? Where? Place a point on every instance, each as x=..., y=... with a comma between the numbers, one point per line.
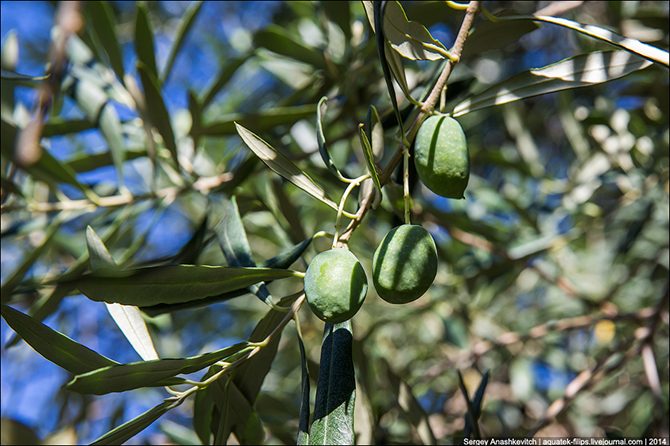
x=405, y=262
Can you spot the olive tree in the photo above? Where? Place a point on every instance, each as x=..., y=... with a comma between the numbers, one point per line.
x=374, y=222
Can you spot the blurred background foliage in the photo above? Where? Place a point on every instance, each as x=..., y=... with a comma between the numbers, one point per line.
x=554, y=269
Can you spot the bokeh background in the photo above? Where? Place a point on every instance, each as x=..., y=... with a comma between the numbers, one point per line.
x=565, y=219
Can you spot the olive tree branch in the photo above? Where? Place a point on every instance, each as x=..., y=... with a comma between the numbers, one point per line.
x=427, y=108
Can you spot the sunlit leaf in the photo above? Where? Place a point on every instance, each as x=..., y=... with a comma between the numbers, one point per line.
x=634, y=46
x=321, y=138
x=578, y=71
x=369, y=157
x=283, y=166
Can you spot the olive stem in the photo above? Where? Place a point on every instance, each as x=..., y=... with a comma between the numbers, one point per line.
x=340, y=209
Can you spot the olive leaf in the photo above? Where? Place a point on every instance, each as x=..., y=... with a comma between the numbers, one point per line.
x=408, y=38
x=303, y=426
x=283, y=166
x=336, y=389
x=574, y=72
x=157, y=372
x=173, y=284
x=101, y=17
x=184, y=26
x=129, y=429
x=649, y=52
x=53, y=345
x=369, y=157
x=264, y=120
x=144, y=40
x=321, y=139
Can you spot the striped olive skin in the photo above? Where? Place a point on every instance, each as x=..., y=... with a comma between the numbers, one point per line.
x=335, y=285
x=441, y=156
x=404, y=264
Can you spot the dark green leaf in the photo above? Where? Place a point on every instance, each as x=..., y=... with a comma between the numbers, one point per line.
x=281, y=261
x=15, y=432
x=489, y=36
x=60, y=126
x=336, y=389
x=264, y=120
x=156, y=110
x=122, y=377
x=203, y=407
x=184, y=27
x=232, y=236
x=129, y=429
x=144, y=40
x=280, y=41
x=88, y=162
x=476, y=404
x=321, y=138
x=283, y=166
x=470, y=420
x=54, y=346
x=173, y=284
x=190, y=252
x=369, y=157
x=303, y=421
x=339, y=12
x=102, y=24
x=578, y=71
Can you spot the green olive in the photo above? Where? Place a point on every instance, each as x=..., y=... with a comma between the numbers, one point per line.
x=404, y=264
x=335, y=285
x=441, y=156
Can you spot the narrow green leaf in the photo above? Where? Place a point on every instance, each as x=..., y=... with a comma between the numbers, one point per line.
x=375, y=132
x=60, y=126
x=634, y=46
x=129, y=429
x=574, y=72
x=122, y=377
x=156, y=110
x=127, y=318
x=339, y=12
x=14, y=432
x=283, y=166
x=490, y=36
x=144, y=40
x=281, y=261
x=225, y=74
x=280, y=41
x=203, y=408
x=173, y=284
x=88, y=162
x=98, y=255
x=264, y=120
x=54, y=346
x=102, y=24
x=232, y=236
x=470, y=414
x=184, y=26
x=369, y=157
x=477, y=404
x=303, y=421
x=336, y=389
x=321, y=138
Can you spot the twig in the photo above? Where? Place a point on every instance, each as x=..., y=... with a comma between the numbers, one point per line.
x=427, y=108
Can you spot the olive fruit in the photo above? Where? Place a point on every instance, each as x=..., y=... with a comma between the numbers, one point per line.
x=441, y=156
x=404, y=264
x=335, y=285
